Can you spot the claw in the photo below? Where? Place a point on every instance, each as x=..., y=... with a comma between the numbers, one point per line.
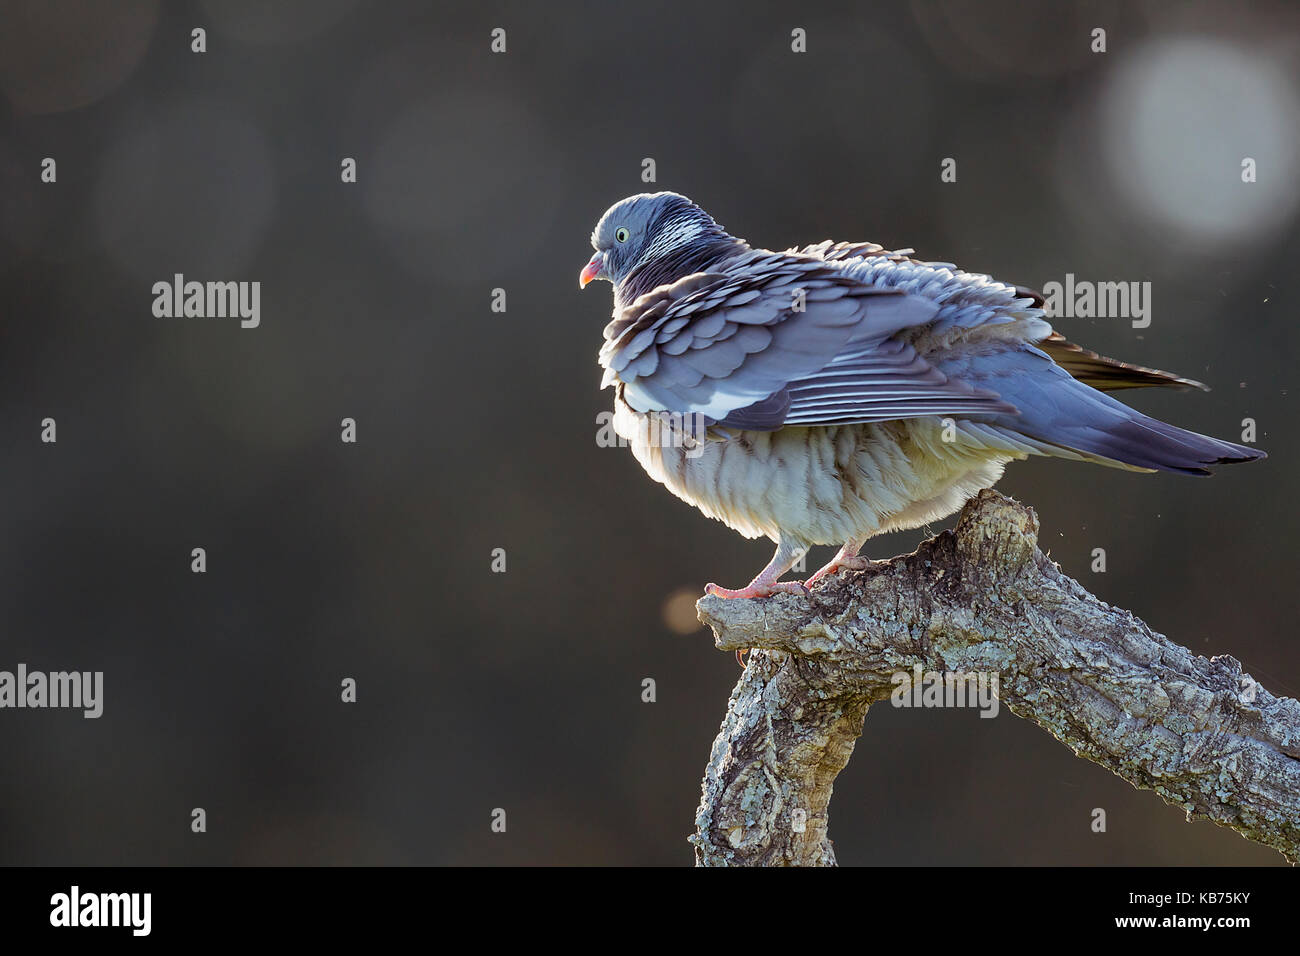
x=740, y=657
x=841, y=564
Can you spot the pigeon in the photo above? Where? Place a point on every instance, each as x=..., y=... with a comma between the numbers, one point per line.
x=827, y=394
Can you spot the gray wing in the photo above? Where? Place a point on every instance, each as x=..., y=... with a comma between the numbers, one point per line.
x=735, y=348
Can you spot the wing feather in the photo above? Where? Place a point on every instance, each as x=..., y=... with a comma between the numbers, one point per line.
x=782, y=339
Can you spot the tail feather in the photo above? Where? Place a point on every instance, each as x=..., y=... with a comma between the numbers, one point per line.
x=1076, y=420
x=1108, y=374
x=1150, y=443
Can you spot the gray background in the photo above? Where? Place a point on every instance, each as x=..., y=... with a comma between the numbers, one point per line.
x=477, y=430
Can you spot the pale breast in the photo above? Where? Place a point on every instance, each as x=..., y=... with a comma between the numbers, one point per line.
x=819, y=485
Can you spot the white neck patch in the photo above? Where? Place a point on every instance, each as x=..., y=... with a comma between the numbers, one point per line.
x=673, y=236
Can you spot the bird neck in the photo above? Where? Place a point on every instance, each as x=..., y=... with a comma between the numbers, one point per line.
x=699, y=255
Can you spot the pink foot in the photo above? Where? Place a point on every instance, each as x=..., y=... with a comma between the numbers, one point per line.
x=839, y=564
x=755, y=590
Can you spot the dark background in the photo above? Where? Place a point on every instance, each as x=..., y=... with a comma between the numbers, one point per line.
x=477, y=430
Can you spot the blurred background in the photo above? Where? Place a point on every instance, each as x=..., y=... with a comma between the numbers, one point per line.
x=477, y=430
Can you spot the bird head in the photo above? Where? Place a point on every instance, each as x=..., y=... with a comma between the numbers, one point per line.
x=644, y=229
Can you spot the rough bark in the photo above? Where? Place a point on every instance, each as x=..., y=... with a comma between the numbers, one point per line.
x=981, y=599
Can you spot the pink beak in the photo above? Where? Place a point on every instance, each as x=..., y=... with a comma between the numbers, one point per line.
x=591, y=270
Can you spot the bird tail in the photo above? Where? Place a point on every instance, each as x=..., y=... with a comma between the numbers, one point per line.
x=1108, y=374
x=1065, y=418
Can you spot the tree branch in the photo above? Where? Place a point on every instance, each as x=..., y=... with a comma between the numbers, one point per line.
x=981, y=599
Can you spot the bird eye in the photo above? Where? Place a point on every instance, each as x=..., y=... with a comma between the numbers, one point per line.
x=622, y=235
